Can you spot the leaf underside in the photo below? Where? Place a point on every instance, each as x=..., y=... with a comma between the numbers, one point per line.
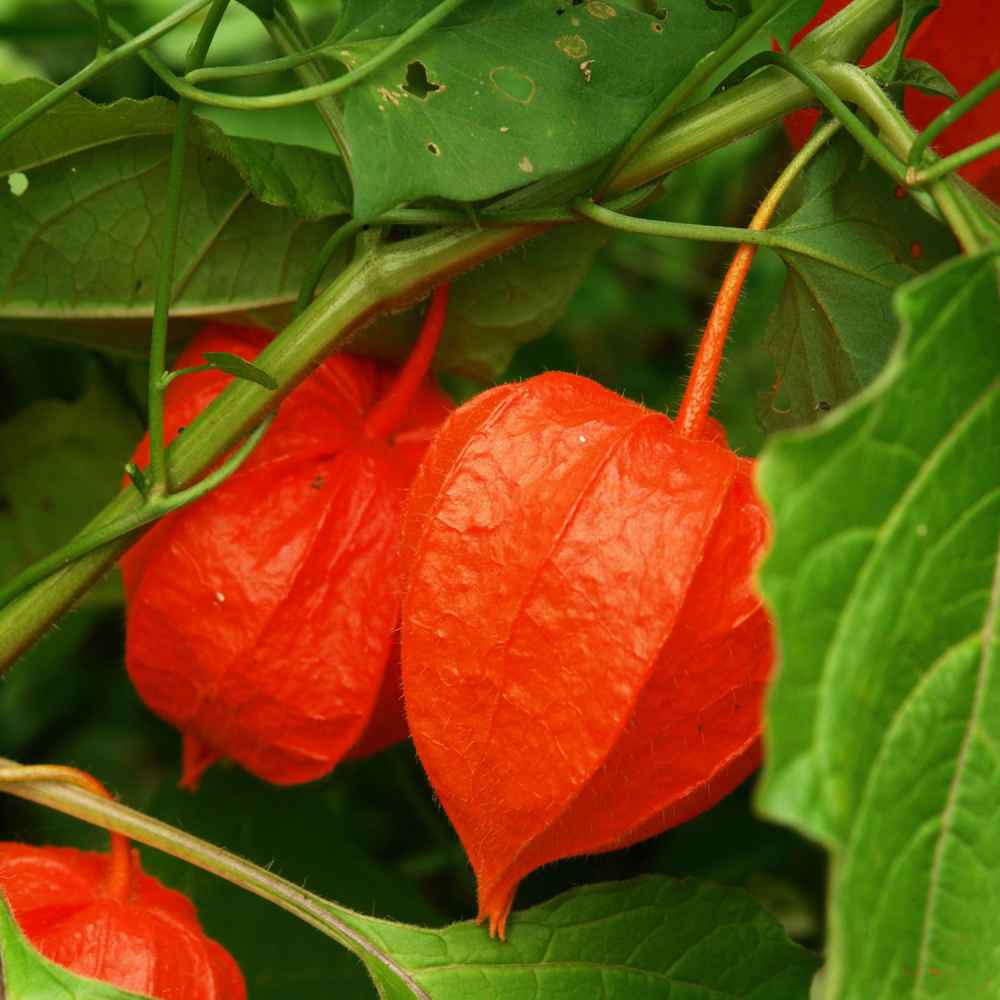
x=851, y=242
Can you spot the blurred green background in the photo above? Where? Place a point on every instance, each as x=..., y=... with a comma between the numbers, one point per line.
x=371, y=836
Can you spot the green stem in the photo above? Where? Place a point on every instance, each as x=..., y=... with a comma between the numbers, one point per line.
x=278, y=65
x=756, y=102
x=683, y=90
x=151, y=510
x=889, y=162
x=306, y=95
x=159, y=483
x=289, y=34
x=676, y=230
x=101, y=64
x=950, y=115
x=856, y=86
x=333, y=920
x=949, y=164
x=403, y=273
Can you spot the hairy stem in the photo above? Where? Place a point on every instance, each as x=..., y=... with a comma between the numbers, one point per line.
x=335, y=921
x=697, y=401
x=119, y=880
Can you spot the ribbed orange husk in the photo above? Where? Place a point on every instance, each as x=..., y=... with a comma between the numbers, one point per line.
x=261, y=618
x=584, y=653
x=150, y=943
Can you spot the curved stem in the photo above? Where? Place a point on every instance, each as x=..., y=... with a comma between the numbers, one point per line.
x=676, y=230
x=950, y=115
x=99, y=65
x=119, y=880
x=390, y=411
x=680, y=93
x=335, y=921
x=855, y=85
x=159, y=483
x=279, y=65
x=152, y=509
x=884, y=157
x=292, y=98
x=697, y=401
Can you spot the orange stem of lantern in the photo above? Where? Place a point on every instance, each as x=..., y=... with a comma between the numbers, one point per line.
x=119, y=879
x=697, y=401
x=390, y=411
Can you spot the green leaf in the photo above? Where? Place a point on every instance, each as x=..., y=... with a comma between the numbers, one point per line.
x=81, y=243
x=505, y=303
x=27, y=975
x=238, y=367
x=851, y=241
x=926, y=78
x=643, y=939
x=884, y=716
x=504, y=93
x=59, y=464
x=890, y=67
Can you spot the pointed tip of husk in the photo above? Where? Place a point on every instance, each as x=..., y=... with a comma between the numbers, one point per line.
x=196, y=758
x=496, y=909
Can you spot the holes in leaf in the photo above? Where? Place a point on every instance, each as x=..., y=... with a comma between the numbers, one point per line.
x=433, y=149
x=417, y=82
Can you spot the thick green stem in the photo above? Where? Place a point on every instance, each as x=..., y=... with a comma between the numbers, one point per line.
x=402, y=274
x=756, y=102
x=677, y=97
x=101, y=64
x=335, y=921
x=158, y=478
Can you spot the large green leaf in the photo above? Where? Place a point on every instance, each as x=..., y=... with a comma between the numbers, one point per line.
x=644, y=939
x=81, y=261
x=853, y=242
x=884, y=717
x=27, y=975
x=81, y=242
x=59, y=464
x=504, y=92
